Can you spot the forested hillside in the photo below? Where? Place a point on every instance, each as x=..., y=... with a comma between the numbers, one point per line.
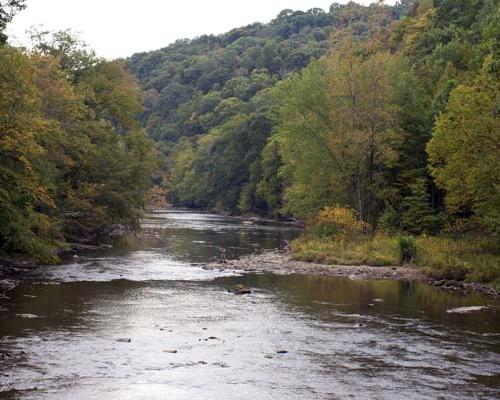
x=384, y=115
x=209, y=102
x=74, y=161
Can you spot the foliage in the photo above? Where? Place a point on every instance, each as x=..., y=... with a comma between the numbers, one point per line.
x=417, y=215
x=73, y=161
x=389, y=220
x=474, y=258
x=337, y=222
x=391, y=111
x=336, y=126
x=195, y=88
x=407, y=249
x=465, y=150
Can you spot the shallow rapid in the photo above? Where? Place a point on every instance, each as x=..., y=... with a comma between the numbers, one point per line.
x=144, y=320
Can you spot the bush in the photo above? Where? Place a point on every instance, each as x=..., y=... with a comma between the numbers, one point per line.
x=407, y=249
x=337, y=221
x=389, y=221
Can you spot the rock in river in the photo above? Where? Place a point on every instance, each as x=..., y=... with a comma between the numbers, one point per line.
x=240, y=289
x=467, y=310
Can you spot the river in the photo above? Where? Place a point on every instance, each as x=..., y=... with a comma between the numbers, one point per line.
x=64, y=332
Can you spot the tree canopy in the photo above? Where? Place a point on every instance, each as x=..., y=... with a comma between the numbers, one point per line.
x=74, y=161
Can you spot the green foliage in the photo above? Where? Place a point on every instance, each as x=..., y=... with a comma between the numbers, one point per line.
x=417, y=214
x=195, y=88
x=270, y=185
x=389, y=220
x=73, y=162
x=465, y=150
x=332, y=150
x=407, y=249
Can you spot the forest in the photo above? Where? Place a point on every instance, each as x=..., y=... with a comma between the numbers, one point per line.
x=74, y=161
x=376, y=125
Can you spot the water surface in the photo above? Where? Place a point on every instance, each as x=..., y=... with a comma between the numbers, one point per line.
x=59, y=329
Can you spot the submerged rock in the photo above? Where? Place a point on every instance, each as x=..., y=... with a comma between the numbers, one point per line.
x=240, y=289
x=467, y=310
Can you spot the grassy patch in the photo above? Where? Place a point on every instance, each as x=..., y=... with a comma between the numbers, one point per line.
x=461, y=258
x=471, y=258
x=379, y=250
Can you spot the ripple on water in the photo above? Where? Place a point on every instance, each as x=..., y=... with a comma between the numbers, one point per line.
x=138, y=266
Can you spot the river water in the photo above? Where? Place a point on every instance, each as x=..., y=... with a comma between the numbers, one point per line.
x=64, y=332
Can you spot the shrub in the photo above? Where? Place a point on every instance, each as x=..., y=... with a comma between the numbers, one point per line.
x=337, y=221
x=407, y=249
x=389, y=221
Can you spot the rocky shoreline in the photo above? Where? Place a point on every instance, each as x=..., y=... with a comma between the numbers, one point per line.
x=280, y=262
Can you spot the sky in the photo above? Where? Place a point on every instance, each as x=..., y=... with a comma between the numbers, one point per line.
x=119, y=28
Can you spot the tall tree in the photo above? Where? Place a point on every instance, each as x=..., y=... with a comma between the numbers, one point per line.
x=465, y=149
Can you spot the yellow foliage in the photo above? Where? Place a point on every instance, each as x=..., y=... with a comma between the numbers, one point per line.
x=344, y=219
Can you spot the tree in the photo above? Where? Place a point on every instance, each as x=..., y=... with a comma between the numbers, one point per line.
x=73, y=161
x=417, y=215
x=73, y=54
x=335, y=130
x=24, y=198
x=270, y=186
x=8, y=9
x=465, y=149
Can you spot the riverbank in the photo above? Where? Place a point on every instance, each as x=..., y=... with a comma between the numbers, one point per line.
x=12, y=273
x=280, y=262
x=14, y=270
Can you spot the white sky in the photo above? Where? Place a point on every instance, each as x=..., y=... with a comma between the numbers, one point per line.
x=119, y=28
